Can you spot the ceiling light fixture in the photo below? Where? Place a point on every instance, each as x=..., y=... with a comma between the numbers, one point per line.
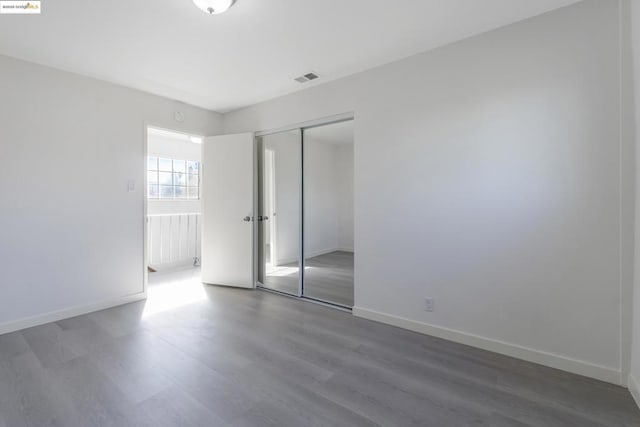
x=214, y=7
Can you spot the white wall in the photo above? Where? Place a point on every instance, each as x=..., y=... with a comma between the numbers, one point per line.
x=492, y=175
x=328, y=192
x=71, y=235
x=320, y=198
x=634, y=375
x=344, y=188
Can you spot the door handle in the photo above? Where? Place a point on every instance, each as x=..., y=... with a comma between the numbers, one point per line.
x=246, y=219
x=262, y=218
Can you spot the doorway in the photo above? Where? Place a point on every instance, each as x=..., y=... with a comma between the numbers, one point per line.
x=305, y=213
x=173, y=218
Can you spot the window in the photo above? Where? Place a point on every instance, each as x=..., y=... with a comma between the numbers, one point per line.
x=173, y=178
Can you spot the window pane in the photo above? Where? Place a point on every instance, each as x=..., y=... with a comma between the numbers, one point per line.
x=152, y=177
x=166, y=192
x=179, y=179
x=152, y=163
x=179, y=166
x=166, y=165
x=153, y=191
x=181, y=192
x=193, y=167
x=194, y=193
x=166, y=178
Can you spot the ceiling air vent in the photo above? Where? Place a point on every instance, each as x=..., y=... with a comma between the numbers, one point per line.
x=307, y=77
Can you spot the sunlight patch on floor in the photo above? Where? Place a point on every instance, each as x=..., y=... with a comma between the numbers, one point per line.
x=173, y=291
x=283, y=271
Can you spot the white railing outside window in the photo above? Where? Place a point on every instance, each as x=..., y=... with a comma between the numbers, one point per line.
x=173, y=240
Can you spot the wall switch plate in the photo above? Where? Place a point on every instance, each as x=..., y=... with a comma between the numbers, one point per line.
x=131, y=186
x=428, y=304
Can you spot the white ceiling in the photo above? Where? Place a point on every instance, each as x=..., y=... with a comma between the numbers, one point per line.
x=249, y=54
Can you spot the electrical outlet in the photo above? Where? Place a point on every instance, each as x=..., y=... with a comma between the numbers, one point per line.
x=428, y=304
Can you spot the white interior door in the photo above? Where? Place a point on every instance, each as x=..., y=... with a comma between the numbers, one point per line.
x=227, y=210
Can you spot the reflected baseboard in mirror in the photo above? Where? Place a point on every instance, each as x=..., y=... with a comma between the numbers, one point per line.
x=329, y=277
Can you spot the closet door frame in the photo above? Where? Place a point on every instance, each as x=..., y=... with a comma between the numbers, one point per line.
x=302, y=126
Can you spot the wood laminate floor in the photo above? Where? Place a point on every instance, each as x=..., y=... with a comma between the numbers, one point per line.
x=195, y=355
x=328, y=277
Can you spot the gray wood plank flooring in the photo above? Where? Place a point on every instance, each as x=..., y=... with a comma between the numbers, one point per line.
x=229, y=357
x=328, y=277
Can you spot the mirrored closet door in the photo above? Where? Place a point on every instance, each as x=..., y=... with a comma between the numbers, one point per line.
x=305, y=213
x=328, y=213
x=279, y=205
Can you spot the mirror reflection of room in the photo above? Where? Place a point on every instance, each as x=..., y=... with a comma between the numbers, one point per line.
x=279, y=222
x=328, y=213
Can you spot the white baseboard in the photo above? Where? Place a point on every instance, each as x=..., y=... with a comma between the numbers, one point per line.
x=634, y=388
x=285, y=261
x=579, y=367
x=54, y=316
x=320, y=252
x=345, y=249
x=168, y=266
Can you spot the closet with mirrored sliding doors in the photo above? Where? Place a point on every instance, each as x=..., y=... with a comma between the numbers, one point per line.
x=305, y=213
